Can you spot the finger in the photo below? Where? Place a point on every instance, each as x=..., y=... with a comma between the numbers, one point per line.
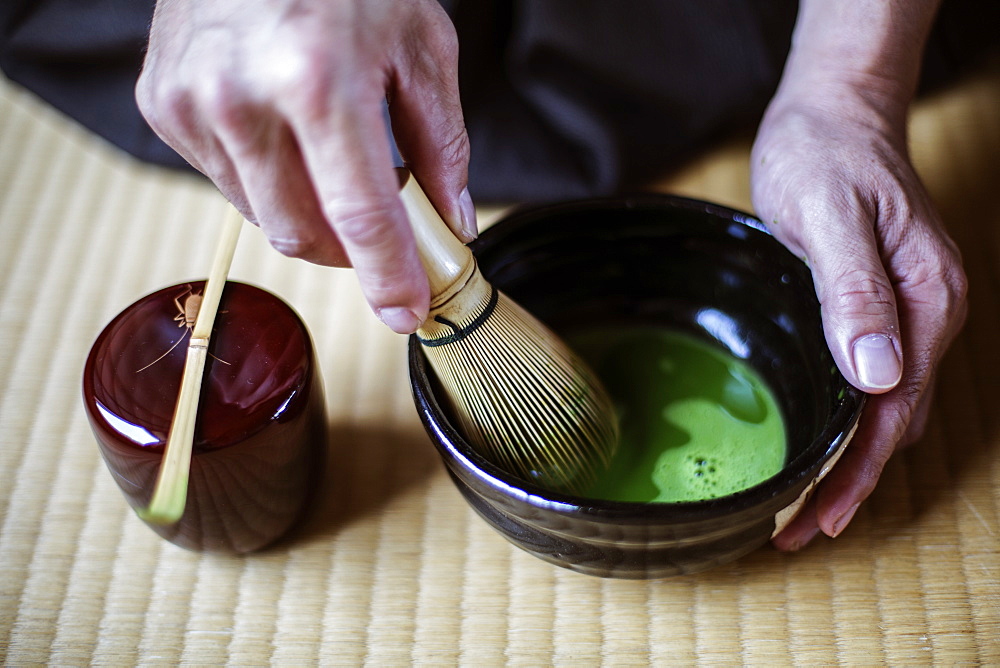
x=221, y=170
x=800, y=531
x=347, y=154
x=918, y=423
x=857, y=297
x=172, y=111
x=932, y=312
x=216, y=164
x=857, y=472
x=429, y=126
x=277, y=186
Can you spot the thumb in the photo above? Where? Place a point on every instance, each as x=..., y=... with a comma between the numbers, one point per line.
x=858, y=302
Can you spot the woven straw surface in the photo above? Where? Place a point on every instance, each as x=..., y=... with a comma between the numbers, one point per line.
x=393, y=568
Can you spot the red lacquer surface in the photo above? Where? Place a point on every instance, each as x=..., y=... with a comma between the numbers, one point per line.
x=261, y=429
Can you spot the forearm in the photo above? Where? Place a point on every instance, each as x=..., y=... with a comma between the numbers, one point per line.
x=870, y=48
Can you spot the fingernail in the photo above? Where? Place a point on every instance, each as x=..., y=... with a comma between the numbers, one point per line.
x=468, y=210
x=803, y=540
x=876, y=362
x=844, y=520
x=398, y=319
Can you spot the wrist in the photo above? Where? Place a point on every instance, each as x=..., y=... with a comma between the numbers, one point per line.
x=878, y=100
x=862, y=53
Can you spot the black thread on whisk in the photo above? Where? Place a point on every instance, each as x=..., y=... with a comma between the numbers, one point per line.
x=462, y=332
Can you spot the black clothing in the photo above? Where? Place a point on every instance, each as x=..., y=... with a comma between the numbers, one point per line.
x=562, y=98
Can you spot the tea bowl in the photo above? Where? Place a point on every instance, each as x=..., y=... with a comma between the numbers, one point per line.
x=701, y=269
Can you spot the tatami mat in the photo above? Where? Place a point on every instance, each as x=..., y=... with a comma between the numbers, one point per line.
x=393, y=568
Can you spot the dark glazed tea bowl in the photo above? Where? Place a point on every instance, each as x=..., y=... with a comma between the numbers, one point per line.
x=260, y=435
x=704, y=270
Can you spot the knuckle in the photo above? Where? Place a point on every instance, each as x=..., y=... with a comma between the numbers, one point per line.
x=900, y=414
x=873, y=464
x=322, y=65
x=144, y=93
x=221, y=101
x=863, y=293
x=939, y=282
x=431, y=41
x=165, y=104
x=908, y=394
x=820, y=214
x=893, y=418
x=444, y=43
x=956, y=287
x=364, y=225
x=825, y=197
x=455, y=152
x=305, y=76
x=189, y=90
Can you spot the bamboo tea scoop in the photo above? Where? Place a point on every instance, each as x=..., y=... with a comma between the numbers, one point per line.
x=170, y=494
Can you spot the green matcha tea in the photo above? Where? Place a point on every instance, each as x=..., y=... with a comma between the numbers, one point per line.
x=696, y=422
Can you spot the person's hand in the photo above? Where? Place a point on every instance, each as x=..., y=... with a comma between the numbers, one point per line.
x=281, y=105
x=832, y=179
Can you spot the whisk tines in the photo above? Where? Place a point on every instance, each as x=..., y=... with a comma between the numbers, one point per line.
x=522, y=398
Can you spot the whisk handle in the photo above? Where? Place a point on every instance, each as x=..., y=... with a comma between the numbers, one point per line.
x=447, y=261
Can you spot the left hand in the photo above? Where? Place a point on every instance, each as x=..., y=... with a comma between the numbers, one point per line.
x=280, y=103
x=832, y=179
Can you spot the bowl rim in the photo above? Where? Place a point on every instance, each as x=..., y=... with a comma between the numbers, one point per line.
x=774, y=493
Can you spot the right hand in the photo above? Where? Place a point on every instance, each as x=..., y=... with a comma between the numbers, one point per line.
x=280, y=104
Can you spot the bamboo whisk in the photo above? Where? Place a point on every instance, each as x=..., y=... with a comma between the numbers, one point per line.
x=525, y=401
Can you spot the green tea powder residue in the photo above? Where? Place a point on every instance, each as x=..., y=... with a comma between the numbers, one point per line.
x=696, y=422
